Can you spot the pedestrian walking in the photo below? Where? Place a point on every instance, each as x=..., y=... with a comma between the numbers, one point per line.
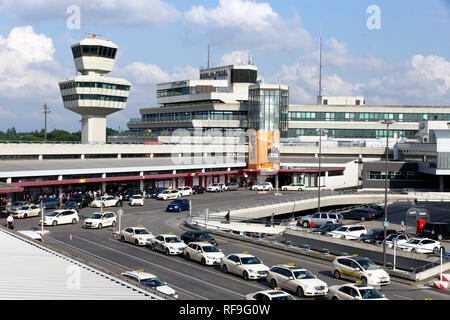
x=227, y=217
x=121, y=200
x=10, y=222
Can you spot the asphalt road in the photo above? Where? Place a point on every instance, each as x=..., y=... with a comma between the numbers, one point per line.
x=190, y=279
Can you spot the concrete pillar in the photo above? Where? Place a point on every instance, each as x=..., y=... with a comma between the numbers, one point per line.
x=141, y=182
x=119, y=156
x=103, y=183
x=82, y=157
x=441, y=183
x=41, y=157
x=8, y=180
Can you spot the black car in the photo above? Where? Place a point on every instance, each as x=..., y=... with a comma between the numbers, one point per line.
x=197, y=236
x=375, y=235
x=198, y=189
x=436, y=230
x=326, y=228
x=361, y=214
x=378, y=209
x=70, y=205
x=51, y=203
x=81, y=200
x=131, y=192
x=154, y=193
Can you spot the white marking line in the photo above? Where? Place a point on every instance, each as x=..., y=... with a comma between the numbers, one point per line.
x=161, y=267
x=397, y=295
x=119, y=265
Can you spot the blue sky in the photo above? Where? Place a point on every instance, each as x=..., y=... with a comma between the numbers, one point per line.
x=405, y=61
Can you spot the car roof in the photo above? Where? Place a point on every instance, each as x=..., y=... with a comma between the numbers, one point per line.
x=358, y=286
x=242, y=255
x=290, y=267
x=201, y=243
x=140, y=274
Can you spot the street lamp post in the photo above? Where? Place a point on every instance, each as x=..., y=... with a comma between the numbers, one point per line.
x=321, y=131
x=387, y=123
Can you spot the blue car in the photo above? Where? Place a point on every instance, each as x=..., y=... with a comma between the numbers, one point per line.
x=51, y=203
x=178, y=205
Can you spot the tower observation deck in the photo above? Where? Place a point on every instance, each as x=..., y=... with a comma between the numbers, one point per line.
x=93, y=94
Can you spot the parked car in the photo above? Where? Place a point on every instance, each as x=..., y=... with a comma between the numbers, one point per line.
x=320, y=218
x=436, y=230
x=375, y=235
x=169, y=194
x=70, y=205
x=26, y=211
x=348, y=232
x=81, y=200
x=400, y=238
x=62, y=216
x=232, y=186
x=354, y=292
x=268, y=295
x=151, y=281
x=203, y=252
x=155, y=192
x=197, y=236
x=376, y=208
x=105, y=201
x=245, y=265
x=100, y=219
x=51, y=203
x=421, y=245
x=323, y=229
x=131, y=192
x=178, y=205
x=263, y=186
x=294, y=187
x=359, y=268
x=185, y=191
x=215, y=187
x=138, y=235
x=17, y=204
x=198, y=189
x=361, y=214
x=137, y=200
x=170, y=244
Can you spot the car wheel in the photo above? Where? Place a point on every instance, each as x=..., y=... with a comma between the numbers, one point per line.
x=439, y=237
x=99, y=226
x=54, y=223
x=224, y=268
x=187, y=256
x=284, y=189
x=179, y=209
x=167, y=252
x=305, y=224
x=343, y=237
x=334, y=298
x=25, y=216
x=300, y=292
x=245, y=275
x=363, y=218
x=435, y=250
x=414, y=250
x=136, y=242
x=152, y=247
x=122, y=238
x=113, y=224
x=337, y=274
x=273, y=283
x=203, y=262
x=74, y=221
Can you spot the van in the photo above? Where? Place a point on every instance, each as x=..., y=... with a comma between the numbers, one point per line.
x=436, y=230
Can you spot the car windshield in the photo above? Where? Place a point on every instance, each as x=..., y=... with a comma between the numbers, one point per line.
x=23, y=208
x=391, y=237
x=152, y=282
x=141, y=231
x=210, y=249
x=176, y=202
x=370, y=294
x=16, y=204
x=414, y=241
x=368, y=265
x=203, y=236
x=371, y=233
x=341, y=229
x=303, y=274
x=165, y=191
x=250, y=260
x=53, y=214
x=96, y=216
x=173, y=240
x=286, y=297
x=136, y=197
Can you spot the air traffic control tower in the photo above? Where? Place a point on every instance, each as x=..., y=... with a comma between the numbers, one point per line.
x=93, y=94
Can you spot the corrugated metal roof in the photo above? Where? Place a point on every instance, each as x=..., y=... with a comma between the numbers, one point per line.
x=30, y=271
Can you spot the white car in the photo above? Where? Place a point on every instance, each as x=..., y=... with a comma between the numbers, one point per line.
x=27, y=211
x=294, y=187
x=262, y=186
x=399, y=238
x=151, y=281
x=169, y=194
x=203, y=252
x=215, y=187
x=185, y=191
x=420, y=245
x=105, y=201
x=139, y=235
x=170, y=244
x=268, y=295
x=245, y=265
x=348, y=232
x=16, y=205
x=296, y=279
x=137, y=200
x=354, y=292
x=360, y=269
x=100, y=219
x=63, y=216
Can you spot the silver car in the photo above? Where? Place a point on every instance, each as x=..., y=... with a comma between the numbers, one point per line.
x=320, y=218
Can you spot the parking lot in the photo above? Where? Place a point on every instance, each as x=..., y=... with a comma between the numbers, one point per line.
x=192, y=280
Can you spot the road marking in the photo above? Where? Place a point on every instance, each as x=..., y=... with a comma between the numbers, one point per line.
x=162, y=267
x=119, y=265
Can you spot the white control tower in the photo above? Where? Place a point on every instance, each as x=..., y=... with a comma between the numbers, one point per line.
x=93, y=94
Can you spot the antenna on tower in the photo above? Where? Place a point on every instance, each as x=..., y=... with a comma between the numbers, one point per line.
x=208, y=55
x=92, y=35
x=320, y=67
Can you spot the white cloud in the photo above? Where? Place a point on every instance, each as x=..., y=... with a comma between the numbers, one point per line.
x=235, y=57
x=248, y=24
x=141, y=73
x=110, y=12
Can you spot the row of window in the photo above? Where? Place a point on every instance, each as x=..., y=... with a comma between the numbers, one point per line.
x=98, y=51
x=366, y=116
x=70, y=85
x=199, y=115
x=188, y=90
x=73, y=97
x=353, y=133
x=394, y=175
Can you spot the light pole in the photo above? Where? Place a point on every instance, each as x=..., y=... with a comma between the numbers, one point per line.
x=321, y=131
x=45, y=110
x=385, y=224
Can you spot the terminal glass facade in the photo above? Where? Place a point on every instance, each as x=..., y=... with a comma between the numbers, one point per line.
x=366, y=116
x=354, y=133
